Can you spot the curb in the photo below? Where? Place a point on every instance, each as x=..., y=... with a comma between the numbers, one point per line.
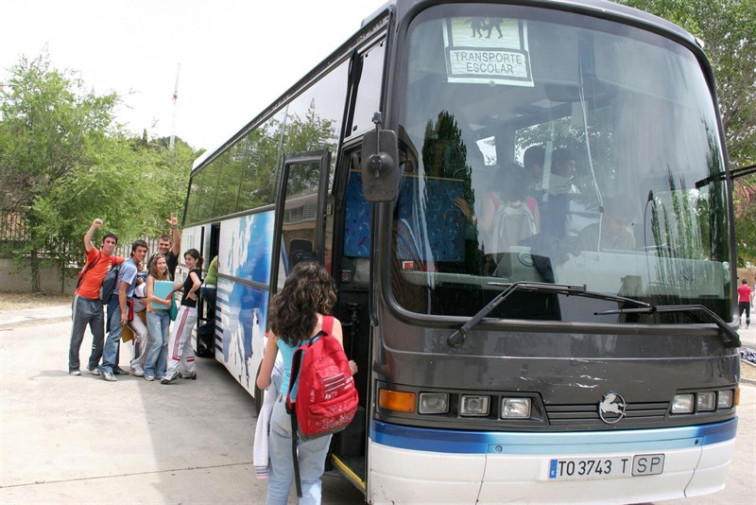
x=32, y=322
x=747, y=365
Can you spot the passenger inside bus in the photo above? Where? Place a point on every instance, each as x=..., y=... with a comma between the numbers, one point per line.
x=559, y=173
x=611, y=232
x=506, y=220
x=533, y=163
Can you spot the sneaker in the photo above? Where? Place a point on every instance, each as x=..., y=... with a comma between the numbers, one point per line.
x=74, y=372
x=167, y=379
x=94, y=371
x=137, y=371
x=149, y=377
x=108, y=376
x=117, y=370
x=189, y=376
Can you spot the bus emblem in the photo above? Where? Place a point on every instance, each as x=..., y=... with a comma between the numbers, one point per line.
x=612, y=407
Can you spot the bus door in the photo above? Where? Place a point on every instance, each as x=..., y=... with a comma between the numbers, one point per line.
x=206, y=309
x=300, y=214
x=351, y=263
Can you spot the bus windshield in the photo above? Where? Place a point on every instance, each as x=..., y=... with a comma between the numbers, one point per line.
x=542, y=146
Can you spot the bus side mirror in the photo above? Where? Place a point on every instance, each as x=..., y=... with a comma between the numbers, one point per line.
x=380, y=175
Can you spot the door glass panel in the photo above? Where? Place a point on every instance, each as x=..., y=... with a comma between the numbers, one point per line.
x=299, y=221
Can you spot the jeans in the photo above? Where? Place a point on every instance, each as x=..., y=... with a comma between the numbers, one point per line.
x=158, y=323
x=207, y=297
x=85, y=311
x=312, y=456
x=113, y=340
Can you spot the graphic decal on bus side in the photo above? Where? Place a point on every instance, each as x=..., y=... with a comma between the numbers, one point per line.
x=244, y=303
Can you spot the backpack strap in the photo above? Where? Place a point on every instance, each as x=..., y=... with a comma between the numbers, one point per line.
x=87, y=267
x=291, y=409
x=296, y=362
x=327, y=324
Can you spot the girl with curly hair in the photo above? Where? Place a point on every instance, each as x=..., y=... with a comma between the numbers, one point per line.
x=296, y=314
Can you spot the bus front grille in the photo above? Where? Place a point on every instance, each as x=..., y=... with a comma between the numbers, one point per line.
x=566, y=414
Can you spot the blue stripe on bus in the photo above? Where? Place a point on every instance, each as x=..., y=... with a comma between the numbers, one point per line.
x=490, y=442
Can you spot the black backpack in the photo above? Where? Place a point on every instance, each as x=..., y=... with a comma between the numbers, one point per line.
x=109, y=284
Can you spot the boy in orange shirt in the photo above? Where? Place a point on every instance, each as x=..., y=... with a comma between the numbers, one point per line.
x=87, y=308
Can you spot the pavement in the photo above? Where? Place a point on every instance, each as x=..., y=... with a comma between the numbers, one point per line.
x=53, y=313
x=82, y=440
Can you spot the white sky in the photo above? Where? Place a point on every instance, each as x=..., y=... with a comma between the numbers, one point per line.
x=235, y=56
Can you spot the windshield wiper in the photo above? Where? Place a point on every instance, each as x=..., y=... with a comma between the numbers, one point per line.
x=456, y=338
x=730, y=337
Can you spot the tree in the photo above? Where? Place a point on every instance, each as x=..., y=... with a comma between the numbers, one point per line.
x=47, y=131
x=64, y=162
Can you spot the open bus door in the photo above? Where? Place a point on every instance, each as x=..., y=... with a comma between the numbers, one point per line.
x=299, y=227
x=351, y=263
x=300, y=214
x=206, y=309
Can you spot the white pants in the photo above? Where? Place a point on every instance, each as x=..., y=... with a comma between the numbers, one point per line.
x=180, y=349
x=141, y=342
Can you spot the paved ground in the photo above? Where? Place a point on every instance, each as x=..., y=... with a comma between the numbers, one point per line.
x=81, y=440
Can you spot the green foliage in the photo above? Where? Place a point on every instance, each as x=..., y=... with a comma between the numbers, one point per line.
x=245, y=176
x=64, y=162
x=745, y=219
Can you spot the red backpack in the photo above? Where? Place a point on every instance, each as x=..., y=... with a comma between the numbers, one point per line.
x=327, y=397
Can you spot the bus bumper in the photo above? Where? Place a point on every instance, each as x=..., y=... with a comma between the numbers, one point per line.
x=470, y=467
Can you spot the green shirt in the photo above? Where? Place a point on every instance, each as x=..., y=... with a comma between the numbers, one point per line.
x=212, y=272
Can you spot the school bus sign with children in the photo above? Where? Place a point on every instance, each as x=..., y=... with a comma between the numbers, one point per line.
x=487, y=50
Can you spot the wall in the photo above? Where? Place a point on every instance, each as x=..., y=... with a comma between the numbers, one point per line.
x=747, y=273
x=19, y=281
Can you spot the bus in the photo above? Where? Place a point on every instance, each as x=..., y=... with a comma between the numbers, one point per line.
x=526, y=206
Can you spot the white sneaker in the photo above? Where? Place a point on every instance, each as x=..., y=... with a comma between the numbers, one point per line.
x=108, y=376
x=138, y=371
x=149, y=377
x=168, y=379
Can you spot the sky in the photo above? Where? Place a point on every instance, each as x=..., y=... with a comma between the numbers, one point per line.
x=230, y=58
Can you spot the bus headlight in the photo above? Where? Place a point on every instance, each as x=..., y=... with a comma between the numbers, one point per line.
x=515, y=408
x=433, y=403
x=706, y=402
x=724, y=399
x=474, y=405
x=683, y=404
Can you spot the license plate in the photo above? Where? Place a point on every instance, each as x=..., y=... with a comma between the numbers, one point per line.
x=606, y=468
